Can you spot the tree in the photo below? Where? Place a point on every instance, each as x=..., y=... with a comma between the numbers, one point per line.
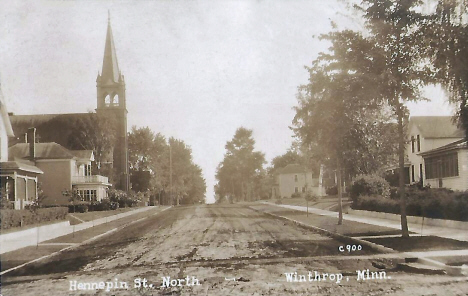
x=446, y=35
x=150, y=168
x=336, y=110
x=394, y=29
x=241, y=165
x=95, y=132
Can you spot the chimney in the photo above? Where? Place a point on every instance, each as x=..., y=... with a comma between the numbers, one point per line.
x=32, y=142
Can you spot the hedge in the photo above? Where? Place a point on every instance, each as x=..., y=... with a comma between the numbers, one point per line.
x=430, y=203
x=16, y=218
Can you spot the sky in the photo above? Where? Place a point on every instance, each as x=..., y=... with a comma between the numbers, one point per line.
x=194, y=70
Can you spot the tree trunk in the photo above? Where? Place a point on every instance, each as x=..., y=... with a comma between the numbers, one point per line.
x=401, y=158
x=340, y=193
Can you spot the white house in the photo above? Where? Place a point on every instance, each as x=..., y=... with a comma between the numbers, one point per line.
x=295, y=179
x=426, y=133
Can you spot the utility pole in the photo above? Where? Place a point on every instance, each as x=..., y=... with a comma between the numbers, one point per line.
x=170, y=170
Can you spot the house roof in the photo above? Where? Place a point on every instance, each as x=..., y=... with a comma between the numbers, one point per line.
x=83, y=154
x=460, y=144
x=9, y=166
x=43, y=151
x=292, y=169
x=437, y=126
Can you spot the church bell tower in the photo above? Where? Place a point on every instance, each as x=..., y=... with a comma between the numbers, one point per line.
x=110, y=84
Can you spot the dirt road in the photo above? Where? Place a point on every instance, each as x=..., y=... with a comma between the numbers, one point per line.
x=220, y=250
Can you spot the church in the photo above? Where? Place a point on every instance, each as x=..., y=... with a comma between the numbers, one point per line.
x=111, y=103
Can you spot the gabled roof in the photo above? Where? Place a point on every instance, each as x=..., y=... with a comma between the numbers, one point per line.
x=436, y=126
x=292, y=169
x=460, y=144
x=43, y=151
x=83, y=154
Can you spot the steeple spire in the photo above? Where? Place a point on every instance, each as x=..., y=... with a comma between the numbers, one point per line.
x=110, y=67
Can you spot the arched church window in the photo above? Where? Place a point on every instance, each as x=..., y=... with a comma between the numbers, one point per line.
x=115, y=100
x=107, y=100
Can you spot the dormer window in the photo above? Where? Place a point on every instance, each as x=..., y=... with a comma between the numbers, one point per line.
x=295, y=178
x=412, y=144
x=418, y=140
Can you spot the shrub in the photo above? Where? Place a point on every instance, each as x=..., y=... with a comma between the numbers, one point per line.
x=17, y=218
x=278, y=201
x=369, y=185
x=332, y=190
x=310, y=196
x=438, y=203
x=295, y=194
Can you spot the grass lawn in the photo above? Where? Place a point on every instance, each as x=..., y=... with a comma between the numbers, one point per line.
x=89, y=216
x=324, y=203
x=420, y=243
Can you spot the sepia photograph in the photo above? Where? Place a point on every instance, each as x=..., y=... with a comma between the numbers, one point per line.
x=233, y=147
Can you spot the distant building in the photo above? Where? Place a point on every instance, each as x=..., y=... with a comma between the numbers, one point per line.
x=294, y=179
x=63, y=170
x=111, y=99
x=18, y=179
x=426, y=133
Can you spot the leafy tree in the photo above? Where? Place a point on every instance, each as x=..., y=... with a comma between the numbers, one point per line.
x=335, y=112
x=95, y=132
x=150, y=168
x=394, y=28
x=446, y=35
x=241, y=166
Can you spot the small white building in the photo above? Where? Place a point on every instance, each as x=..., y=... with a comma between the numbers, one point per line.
x=294, y=179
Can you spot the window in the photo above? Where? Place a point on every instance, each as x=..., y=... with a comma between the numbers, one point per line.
x=296, y=189
x=295, y=178
x=418, y=140
x=412, y=144
x=303, y=189
x=87, y=195
x=442, y=166
x=107, y=100
x=87, y=170
x=412, y=173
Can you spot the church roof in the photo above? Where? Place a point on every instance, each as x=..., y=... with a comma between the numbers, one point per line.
x=436, y=127
x=50, y=127
x=110, y=67
x=43, y=151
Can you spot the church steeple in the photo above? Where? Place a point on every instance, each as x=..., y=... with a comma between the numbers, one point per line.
x=110, y=67
x=110, y=83
x=111, y=101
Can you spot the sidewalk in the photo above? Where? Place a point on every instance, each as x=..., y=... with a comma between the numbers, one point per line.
x=27, y=255
x=33, y=236
x=418, y=229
